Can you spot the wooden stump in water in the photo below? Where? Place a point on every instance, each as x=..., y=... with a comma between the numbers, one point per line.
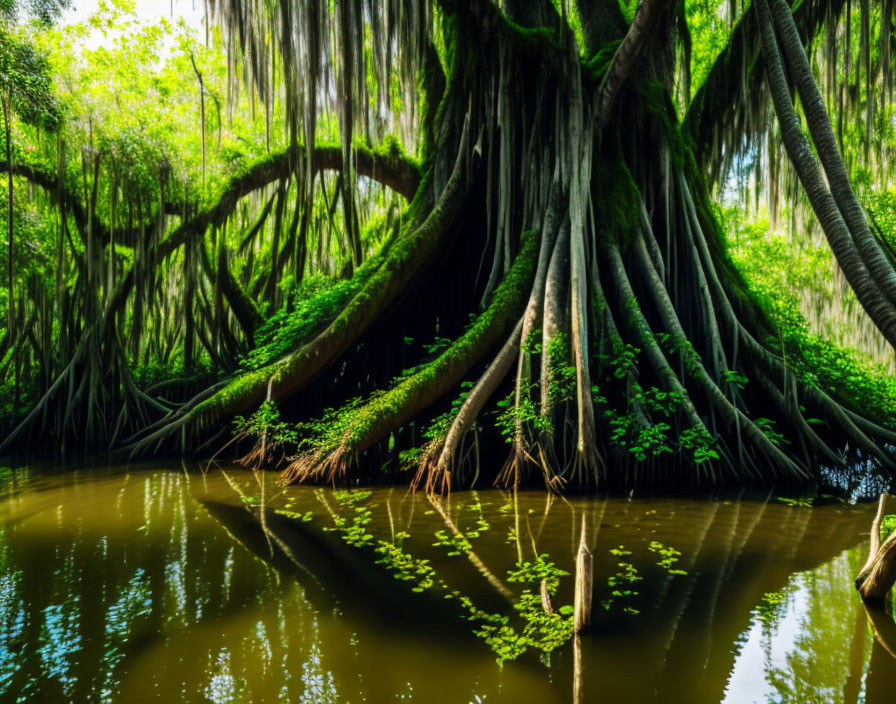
x=879, y=573
x=546, y=598
x=875, y=583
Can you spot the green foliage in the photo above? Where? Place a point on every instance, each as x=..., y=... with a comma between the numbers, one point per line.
x=773, y=606
x=710, y=31
x=330, y=428
x=624, y=362
x=536, y=629
x=43, y=11
x=668, y=556
x=315, y=303
x=295, y=515
x=736, y=379
x=25, y=80
x=527, y=414
x=437, y=345
x=700, y=442
x=352, y=497
x=410, y=457
x=629, y=427
x=621, y=582
x=538, y=570
x=797, y=502
x=641, y=441
x=459, y=543
x=355, y=532
x=265, y=423
x=778, y=270
x=405, y=567
x=540, y=630
x=766, y=425
x=562, y=386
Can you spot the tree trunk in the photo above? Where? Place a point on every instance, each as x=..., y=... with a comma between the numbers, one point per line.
x=878, y=575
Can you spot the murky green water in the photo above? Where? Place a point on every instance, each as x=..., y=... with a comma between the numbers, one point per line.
x=128, y=587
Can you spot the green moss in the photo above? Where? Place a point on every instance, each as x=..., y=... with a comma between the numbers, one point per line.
x=376, y=280
x=317, y=303
x=597, y=65
x=615, y=188
x=391, y=148
x=842, y=372
x=532, y=41
x=658, y=115
x=234, y=389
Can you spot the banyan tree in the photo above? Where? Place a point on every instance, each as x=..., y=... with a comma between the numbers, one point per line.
x=544, y=295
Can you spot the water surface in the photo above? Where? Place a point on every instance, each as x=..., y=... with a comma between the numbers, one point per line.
x=124, y=586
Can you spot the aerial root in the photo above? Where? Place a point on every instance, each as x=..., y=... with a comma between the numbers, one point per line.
x=315, y=467
x=387, y=412
x=433, y=476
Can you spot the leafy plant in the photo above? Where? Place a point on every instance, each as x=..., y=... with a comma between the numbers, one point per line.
x=405, y=567
x=622, y=581
x=538, y=570
x=735, y=378
x=799, y=502
x=700, y=442
x=767, y=426
x=668, y=556
x=887, y=526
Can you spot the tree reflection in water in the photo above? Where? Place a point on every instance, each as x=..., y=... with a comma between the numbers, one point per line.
x=119, y=586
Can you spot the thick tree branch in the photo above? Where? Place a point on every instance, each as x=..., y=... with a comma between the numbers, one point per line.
x=67, y=198
x=392, y=169
x=64, y=196
x=648, y=16
x=728, y=106
x=868, y=291
x=825, y=141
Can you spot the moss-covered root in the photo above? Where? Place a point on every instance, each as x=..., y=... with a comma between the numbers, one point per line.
x=435, y=470
x=732, y=416
x=552, y=316
x=637, y=323
x=392, y=409
x=532, y=319
x=405, y=260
